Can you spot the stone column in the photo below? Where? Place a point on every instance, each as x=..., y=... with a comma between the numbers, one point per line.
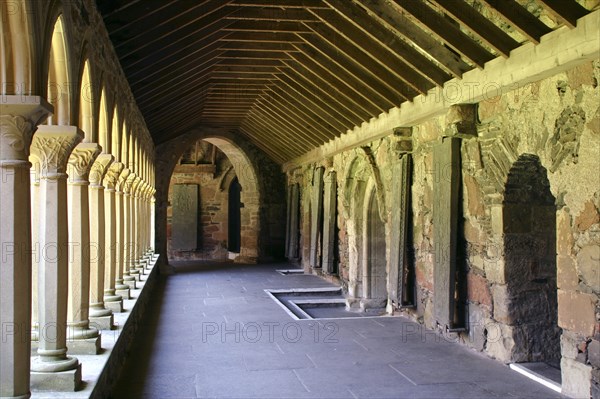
x=52, y=368
x=329, y=221
x=400, y=208
x=125, y=282
x=100, y=316
x=316, y=217
x=83, y=339
x=130, y=275
x=112, y=301
x=19, y=116
x=295, y=203
x=134, y=220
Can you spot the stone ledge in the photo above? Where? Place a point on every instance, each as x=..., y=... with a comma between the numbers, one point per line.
x=100, y=372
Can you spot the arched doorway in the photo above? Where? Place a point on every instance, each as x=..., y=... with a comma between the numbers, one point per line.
x=529, y=221
x=234, y=217
x=376, y=275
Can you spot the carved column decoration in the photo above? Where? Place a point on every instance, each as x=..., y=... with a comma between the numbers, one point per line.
x=51, y=147
x=112, y=300
x=83, y=339
x=100, y=316
x=19, y=116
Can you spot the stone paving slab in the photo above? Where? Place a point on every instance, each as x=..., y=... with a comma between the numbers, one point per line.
x=212, y=332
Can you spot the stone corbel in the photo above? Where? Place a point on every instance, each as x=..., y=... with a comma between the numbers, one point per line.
x=100, y=168
x=80, y=162
x=122, y=180
x=461, y=121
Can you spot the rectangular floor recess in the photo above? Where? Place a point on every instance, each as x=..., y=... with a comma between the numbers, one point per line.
x=542, y=373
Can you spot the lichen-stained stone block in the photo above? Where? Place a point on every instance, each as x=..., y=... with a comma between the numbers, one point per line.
x=577, y=312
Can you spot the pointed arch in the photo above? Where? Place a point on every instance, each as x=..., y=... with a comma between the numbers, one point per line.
x=103, y=134
x=115, y=135
x=58, y=74
x=17, y=49
x=86, y=104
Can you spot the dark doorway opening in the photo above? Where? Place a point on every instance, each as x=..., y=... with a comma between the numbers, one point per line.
x=234, y=217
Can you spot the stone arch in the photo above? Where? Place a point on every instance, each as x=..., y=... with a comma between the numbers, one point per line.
x=86, y=103
x=17, y=68
x=115, y=134
x=529, y=227
x=103, y=123
x=57, y=72
x=167, y=156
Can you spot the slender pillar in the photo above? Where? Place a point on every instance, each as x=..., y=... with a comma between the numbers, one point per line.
x=125, y=282
x=316, y=216
x=399, y=295
x=134, y=270
x=19, y=116
x=52, y=368
x=329, y=221
x=295, y=203
x=83, y=339
x=112, y=301
x=100, y=316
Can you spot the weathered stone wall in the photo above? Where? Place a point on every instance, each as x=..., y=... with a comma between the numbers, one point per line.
x=555, y=123
x=213, y=181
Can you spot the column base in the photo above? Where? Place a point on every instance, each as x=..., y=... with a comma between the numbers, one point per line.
x=135, y=274
x=90, y=346
x=17, y=397
x=115, y=306
x=124, y=293
x=131, y=283
x=63, y=381
x=103, y=322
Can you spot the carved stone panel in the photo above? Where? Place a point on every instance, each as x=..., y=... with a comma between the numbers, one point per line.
x=185, y=217
x=446, y=158
x=317, y=216
x=329, y=222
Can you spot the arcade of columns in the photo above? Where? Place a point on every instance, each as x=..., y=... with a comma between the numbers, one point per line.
x=76, y=197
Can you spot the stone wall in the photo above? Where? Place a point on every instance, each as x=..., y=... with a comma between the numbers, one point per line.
x=528, y=221
x=213, y=181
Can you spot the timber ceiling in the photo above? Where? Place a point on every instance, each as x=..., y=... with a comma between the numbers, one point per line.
x=294, y=74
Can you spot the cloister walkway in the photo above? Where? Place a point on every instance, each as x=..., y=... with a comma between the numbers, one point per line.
x=212, y=331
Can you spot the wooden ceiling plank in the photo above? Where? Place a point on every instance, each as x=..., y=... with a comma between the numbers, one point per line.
x=320, y=105
x=479, y=25
x=271, y=14
x=269, y=37
x=360, y=46
x=567, y=11
x=258, y=46
x=274, y=130
x=521, y=19
x=248, y=69
x=298, y=115
x=170, y=31
x=257, y=137
x=309, y=113
x=242, y=76
x=266, y=26
x=255, y=54
x=344, y=108
x=303, y=63
x=280, y=3
x=311, y=58
x=354, y=68
x=446, y=31
x=287, y=121
x=239, y=62
x=409, y=31
x=376, y=30
x=132, y=13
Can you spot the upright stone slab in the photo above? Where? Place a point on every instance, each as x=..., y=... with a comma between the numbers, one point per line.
x=185, y=217
x=295, y=203
x=400, y=200
x=19, y=116
x=329, y=221
x=446, y=158
x=287, y=218
x=316, y=217
x=52, y=368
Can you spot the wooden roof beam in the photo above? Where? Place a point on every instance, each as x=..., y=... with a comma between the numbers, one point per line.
x=567, y=11
x=479, y=25
x=521, y=19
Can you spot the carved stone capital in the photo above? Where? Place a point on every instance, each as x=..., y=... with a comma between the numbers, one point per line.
x=128, y=184
x=52, y=146
x=99, y=168
x=122, y=178
x=81, y=160
x=19, y=116
x=112, y=175
x=135, y=186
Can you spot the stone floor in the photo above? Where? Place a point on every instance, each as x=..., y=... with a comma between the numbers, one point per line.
x=214, y=333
